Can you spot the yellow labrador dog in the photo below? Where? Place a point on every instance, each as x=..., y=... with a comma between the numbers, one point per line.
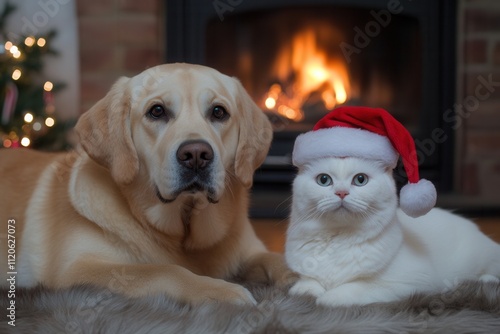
x=155, y=201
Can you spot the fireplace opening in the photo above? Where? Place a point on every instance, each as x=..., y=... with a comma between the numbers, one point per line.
x=299, y=59
x=312, y=60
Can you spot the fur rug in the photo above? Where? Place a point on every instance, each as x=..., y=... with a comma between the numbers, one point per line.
x=471, y=307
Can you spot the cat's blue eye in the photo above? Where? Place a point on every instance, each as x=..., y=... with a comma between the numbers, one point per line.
x=324, y=180
x=360, y=179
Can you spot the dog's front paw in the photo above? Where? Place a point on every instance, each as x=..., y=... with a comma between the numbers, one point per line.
x=269, y=267
x=221, y=291
x=307, y=286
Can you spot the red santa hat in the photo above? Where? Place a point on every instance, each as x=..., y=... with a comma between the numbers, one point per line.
x=368, y=133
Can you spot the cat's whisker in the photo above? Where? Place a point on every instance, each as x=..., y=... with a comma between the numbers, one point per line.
x=309, y=214
x=365, y=209
x=288, y=199
x=326, y=204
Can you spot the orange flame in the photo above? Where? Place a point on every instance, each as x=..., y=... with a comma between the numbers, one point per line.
x=303, y=68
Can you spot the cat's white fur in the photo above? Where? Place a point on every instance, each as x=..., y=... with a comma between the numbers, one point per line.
x=362, y=249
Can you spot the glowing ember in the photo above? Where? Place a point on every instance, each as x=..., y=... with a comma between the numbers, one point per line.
x=304, y=71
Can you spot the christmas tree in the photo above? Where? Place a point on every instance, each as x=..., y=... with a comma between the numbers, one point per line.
x=26, y=98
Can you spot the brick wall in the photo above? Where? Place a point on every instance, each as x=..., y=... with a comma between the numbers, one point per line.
x=117, y=37
x=479, y=97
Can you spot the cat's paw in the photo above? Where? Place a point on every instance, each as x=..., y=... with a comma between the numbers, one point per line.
x=489, y=279
x=350, y=294
x=336, y=297
x=307, y=286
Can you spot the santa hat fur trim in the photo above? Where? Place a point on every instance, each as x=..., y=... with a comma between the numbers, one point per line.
x=343, y=142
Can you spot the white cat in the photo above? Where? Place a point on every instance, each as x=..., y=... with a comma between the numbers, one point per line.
x=352, y=245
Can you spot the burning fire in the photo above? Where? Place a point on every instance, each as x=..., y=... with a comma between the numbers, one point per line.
x=305, y=75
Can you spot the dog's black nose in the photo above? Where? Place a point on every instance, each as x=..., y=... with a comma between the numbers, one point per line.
x=195, y=154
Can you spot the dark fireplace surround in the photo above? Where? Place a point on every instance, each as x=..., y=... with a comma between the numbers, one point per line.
x=400, y=55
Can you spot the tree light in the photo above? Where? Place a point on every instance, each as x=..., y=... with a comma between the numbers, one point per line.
x=14, y=50
x=25, y=141
x=41, y=42
x=50, y=122
x=29, y=41
x=48, y=86
x=28, y=118
x=16, y=74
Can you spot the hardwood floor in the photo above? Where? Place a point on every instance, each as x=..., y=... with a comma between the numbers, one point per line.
x=272, y=231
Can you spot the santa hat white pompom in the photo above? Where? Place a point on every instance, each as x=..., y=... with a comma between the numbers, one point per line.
x=416, y=199
x=368, y=133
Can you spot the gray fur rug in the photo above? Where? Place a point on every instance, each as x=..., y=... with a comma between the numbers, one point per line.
x=471, y=307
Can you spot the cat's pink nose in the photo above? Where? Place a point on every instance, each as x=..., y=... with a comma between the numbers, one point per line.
x=342, y=194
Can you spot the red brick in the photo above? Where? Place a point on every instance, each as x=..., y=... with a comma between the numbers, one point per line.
x=496, y=168
x=128, y=31
x=487, y=117
x=496, y=54
x=483, y=144
x=469, y=182
x=138, y=31
x=489, y=180
x=92, y=60
x=93, y=88
x=141, y=58
x=473, y=81
x=143, y=6
x=482, y=20
x=95, y=7
x=97, y=33
x=475, y=51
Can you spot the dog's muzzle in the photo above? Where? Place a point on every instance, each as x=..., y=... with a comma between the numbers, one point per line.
x=195, y=159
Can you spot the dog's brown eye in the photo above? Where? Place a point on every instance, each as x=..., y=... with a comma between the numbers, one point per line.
x=156, y=111
x=219, y=113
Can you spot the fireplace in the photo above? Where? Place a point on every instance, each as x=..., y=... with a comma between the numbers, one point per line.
x=299, y=59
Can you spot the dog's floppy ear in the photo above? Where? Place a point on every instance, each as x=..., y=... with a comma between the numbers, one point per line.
x=255, y=135
x=104, y=132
